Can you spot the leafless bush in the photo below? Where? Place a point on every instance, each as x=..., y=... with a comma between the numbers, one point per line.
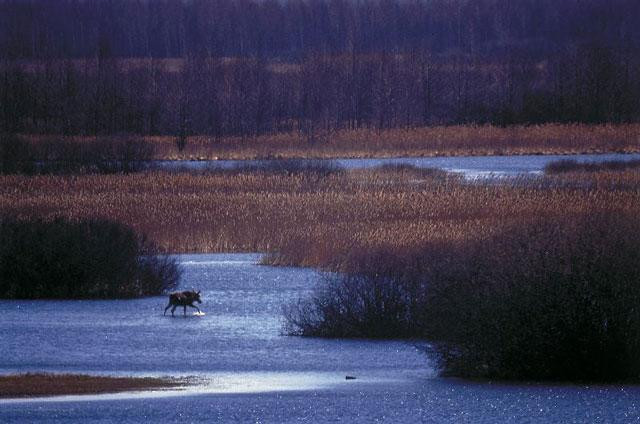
x=87, y=259
x=547, y=299
x=384, y=300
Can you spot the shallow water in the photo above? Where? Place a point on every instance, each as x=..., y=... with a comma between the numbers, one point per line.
x=249, y=372
x=470, y=167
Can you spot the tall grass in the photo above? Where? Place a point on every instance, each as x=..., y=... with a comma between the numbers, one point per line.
x=62, y=259
x=306, y=218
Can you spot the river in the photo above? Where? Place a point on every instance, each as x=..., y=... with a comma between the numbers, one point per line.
x=248, y=371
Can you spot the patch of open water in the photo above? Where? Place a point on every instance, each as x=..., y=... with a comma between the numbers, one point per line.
x=470, y=167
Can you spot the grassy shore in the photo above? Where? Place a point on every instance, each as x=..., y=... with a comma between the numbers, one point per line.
x=45, y=384
x=457, y=140
x=310, y=218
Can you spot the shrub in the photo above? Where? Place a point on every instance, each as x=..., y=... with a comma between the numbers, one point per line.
x=570, y=165
x=87, y=259
x=383, y=300
x=552, y=299
x=16, y=155
x=320, y=167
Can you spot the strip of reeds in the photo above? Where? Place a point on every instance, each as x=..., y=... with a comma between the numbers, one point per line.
x=456, y=140
x=47, y=384
x=308, y=218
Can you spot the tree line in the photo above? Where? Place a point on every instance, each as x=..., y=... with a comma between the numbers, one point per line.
x=250, y=96
x=246, y=68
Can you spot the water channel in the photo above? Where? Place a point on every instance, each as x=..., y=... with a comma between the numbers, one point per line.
x=248, y=371
x=470, y=167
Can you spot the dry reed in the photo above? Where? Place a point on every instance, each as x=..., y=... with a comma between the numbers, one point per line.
x=309, y=218
x=45, y=384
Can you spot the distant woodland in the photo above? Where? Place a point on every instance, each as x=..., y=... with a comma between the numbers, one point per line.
x=247, y=67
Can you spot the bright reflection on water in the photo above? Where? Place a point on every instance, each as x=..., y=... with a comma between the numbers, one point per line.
x=249, y=372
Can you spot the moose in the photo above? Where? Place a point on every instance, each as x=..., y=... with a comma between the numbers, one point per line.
x=183, y=298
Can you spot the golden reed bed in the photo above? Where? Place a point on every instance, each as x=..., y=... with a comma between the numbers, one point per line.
x=307, y=218
x=455, y=140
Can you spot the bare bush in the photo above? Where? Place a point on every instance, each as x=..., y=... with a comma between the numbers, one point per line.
x=547, y=299
x=570, y=165
x=63, y=259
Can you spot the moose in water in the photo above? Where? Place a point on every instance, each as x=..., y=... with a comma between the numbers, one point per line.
x=183, y=298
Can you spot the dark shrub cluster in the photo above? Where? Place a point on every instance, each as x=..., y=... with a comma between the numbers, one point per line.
x=554, y=298
x=16, y=156
x=384, y=300
x=570, y=165
x=64, y=156
x=91, y=259
x=408, y=171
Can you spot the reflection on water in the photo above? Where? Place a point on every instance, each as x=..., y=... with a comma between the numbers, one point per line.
x=247, y=371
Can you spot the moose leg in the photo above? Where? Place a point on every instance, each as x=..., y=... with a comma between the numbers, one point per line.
x=165, y=309
x=173, y=309
x=185, y=310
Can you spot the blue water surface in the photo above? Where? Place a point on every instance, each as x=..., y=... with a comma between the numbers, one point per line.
x=470, y=167
x=248, y=371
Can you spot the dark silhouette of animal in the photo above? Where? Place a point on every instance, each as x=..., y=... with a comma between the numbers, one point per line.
x=183, y=298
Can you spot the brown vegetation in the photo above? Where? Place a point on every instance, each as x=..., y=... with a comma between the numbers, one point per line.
x=458, y=140
x=311, y=218
x=45, y=384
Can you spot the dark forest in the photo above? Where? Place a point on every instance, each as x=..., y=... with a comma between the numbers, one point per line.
x=245, y=68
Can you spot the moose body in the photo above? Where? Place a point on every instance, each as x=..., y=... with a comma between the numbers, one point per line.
x=184, y=299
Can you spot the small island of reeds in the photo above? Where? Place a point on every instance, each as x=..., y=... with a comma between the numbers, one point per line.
x=49, y=384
